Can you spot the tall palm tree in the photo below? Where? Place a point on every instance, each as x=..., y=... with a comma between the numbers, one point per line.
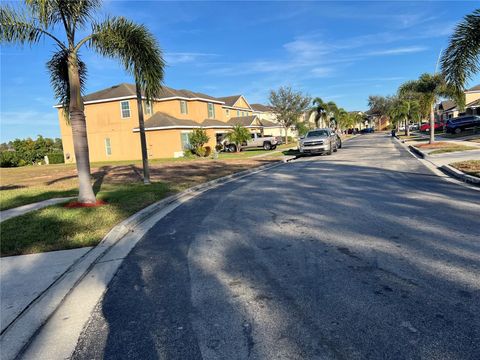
x=320, y=108
x=461, y=59
x=115, y=37
x=429, y=88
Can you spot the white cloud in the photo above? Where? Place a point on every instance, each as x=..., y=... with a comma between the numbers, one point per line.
x=396, y=51
x=185, y=57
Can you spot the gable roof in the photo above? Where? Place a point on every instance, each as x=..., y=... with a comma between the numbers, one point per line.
x=446, y=105
x=125, y=90
x=162, y=120
x=261, y=107
x=475, y=88
x=229, y=100
x=475, y=103
x=242, y=120
x=269, y=124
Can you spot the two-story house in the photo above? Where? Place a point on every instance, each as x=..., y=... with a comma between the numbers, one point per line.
x=112, y=122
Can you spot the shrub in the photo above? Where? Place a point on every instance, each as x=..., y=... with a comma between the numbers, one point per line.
x=200, y=151
x=8, y=159
x=198, y=138
x=56, y=158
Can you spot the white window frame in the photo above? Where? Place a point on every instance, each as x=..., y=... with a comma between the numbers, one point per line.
x=122, y=109
x=238, y=113
x=213, y=110
x=148, y=108
x=182, y=133
x=108, y=147
x=183, y=102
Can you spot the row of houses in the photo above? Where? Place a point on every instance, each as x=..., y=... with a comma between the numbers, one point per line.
x=448, y=109
x=112, y=122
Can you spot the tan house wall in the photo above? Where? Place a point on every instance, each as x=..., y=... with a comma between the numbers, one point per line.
x=241, y=103
x=471, y=96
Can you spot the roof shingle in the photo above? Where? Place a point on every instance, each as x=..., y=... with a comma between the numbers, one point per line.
x=229, y=100
x=242, y=120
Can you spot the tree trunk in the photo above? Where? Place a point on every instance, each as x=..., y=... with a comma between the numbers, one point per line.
x=432, y=124
x=407, y=127
x=143, y=141
x=79, y=133
x=286, y=134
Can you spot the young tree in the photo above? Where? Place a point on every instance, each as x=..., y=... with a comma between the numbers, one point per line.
x=288, y=106
x=238, y=136
x=115, y=37
x=198, y=138
x=461, y=59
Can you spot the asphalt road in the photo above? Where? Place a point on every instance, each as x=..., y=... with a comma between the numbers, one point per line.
x=364, y=254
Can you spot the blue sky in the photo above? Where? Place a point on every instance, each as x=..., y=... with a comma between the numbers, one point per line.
x=340, y=51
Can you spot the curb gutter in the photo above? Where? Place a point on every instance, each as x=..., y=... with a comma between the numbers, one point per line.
x=446, y=172
x=17, y=338
x=460, y=174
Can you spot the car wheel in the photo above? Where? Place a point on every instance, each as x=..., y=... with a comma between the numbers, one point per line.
x=329, y=152
x=267, y=146
x=458, y=131
x=232, y=148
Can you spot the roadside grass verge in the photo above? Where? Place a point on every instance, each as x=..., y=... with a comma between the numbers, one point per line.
x=57, y=227
x=470, y=167
x=452, y=149
x=441, y=147
x=21, y=196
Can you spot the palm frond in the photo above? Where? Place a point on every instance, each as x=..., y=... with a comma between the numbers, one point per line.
x=58, y=68
x=46, y=11
x=135, y=47
x=461, y=60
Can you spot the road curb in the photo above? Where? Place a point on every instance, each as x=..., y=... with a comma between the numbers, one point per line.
x=21, y=332
x=439, y=171
x=417, y=151
x=460, y=175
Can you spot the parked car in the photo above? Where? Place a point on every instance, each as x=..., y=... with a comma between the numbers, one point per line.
x=338, y=139
x=318, y=141
x=458, y=124
x=257, y=141
x=414, y=127
x=437, y=126
x=367, y=131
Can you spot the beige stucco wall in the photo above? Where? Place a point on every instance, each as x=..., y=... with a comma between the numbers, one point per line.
x=471, y=96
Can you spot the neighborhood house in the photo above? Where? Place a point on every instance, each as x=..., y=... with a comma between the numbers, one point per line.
x=112, y=122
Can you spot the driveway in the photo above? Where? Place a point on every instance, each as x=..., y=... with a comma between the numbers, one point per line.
x=364, y=254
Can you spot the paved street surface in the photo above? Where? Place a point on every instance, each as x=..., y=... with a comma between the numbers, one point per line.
x=364, y=254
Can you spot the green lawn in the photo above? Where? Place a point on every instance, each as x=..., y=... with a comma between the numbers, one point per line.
x=57, y=227
x=453, y=148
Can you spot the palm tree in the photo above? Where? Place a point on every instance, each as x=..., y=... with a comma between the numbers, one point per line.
x=320, y=108
x=238, y=136
x=460, y=61
x=429, y=88
x=115, y=37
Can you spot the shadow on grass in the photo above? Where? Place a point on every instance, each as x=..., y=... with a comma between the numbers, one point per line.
x=56, y=227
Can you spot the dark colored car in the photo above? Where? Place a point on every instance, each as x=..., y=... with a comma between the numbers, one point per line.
x=457, y=125
x=366, y=131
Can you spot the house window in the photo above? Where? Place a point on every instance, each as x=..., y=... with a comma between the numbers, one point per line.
x=227, y=112
x=183, y=107
x=185, y=139
x=147, y=106
x=238, y=112
x=211, y=111
x=108, y=148
x=125, y=106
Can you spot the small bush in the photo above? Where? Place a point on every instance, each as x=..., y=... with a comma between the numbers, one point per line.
x=198, y=138
x=9, y=159
x=55, y=158
x=188, y=154
x=200, y=151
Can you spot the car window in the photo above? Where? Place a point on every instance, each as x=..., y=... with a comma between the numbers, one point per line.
x=317, y=133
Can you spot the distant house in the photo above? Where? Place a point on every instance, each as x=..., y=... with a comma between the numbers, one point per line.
x=447, y=109
x=269, y=121
x=112, y=122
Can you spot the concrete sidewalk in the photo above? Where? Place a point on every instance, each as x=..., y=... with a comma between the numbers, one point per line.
x=7, y=214
x=25, y=277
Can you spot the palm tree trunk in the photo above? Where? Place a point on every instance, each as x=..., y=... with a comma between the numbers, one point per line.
x=143, y=141
x=406, y=131
x=407, y=127
x=79, y=133
x=432, y=124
